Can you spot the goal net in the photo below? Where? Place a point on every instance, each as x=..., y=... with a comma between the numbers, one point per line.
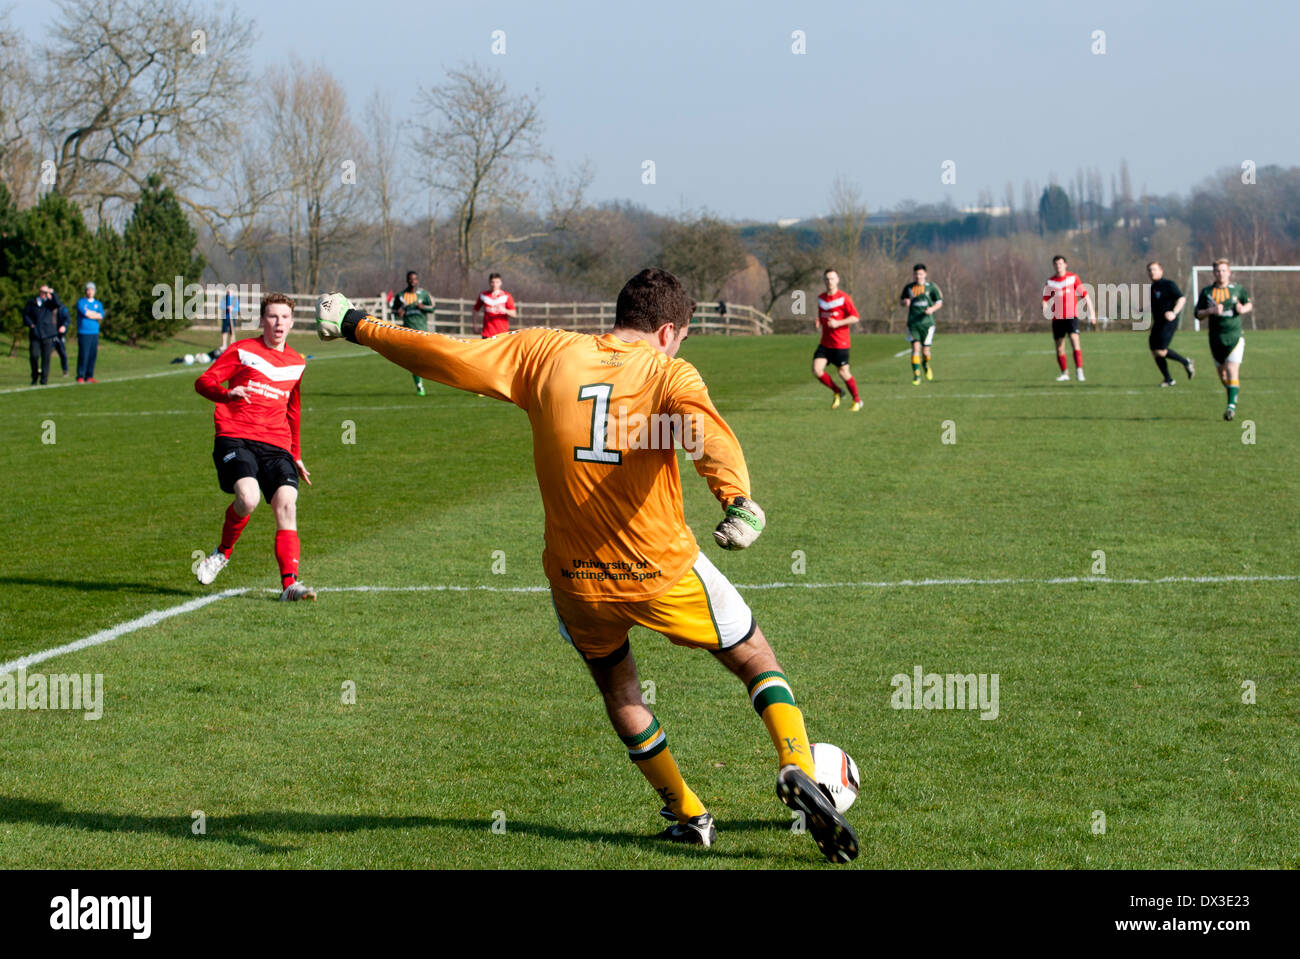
x=1275, y=291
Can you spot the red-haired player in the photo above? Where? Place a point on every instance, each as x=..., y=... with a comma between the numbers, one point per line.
x=257, y=439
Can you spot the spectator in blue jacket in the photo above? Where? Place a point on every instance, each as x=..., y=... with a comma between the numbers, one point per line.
x=89, y=314
x=229, y=314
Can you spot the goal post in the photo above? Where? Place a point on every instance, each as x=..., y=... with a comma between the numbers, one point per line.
x=1208, y=271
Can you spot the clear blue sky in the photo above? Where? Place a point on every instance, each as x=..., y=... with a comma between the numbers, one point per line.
x=738, y=124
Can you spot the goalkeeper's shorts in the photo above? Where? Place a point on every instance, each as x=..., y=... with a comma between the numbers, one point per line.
x=702, y=610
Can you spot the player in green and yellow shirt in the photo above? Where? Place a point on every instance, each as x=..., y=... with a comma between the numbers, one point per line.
x=411, y=305
x=1224, y=303
x=922, y=300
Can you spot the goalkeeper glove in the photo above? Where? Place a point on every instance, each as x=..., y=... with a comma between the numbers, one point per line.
x=330, y=310
x=742, y=524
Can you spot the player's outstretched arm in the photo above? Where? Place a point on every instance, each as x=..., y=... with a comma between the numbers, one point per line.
x=497, y=367
x=713, y=448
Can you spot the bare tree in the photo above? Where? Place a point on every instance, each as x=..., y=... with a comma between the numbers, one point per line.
x=845, y=226
x=384, y=174
x=480, y=144
x=131, y=88
x=789, y=262
x=19, y=131
x=703, y=251
x=317, y=148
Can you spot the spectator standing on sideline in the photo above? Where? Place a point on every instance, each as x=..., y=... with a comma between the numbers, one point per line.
x=60, y=342
x=229, y=313
x=89, y=314
x=42, y=316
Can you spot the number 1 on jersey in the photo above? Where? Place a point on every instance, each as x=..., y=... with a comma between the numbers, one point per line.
x=596, y=452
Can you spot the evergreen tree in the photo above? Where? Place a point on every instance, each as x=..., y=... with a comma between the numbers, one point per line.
x=11, y=298
x=1054, y=210
x=51, y=245
x=158, y=246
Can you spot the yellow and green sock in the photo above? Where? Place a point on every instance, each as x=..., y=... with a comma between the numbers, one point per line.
x=649, y=751
x=916, y=367
x=1234, y=387
x=774, y=702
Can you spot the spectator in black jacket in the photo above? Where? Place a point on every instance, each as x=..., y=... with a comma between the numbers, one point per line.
x=45, y=318
x=64, y=320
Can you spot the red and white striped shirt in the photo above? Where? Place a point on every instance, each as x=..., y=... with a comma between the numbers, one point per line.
x=271, y=411
x=494, y=306
x=1064, y=293
x=835, y=306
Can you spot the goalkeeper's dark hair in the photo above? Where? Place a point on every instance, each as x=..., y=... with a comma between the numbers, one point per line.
x=273, y=298
x=919, y=266
x=650, y=299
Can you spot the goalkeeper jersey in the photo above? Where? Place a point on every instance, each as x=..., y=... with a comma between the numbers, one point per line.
x=606, y=416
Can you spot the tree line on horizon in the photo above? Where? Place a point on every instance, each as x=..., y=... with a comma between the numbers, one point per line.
x=133, y=150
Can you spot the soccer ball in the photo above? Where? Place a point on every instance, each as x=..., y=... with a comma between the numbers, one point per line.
x=203, y=358
x=189, y=359
x=837, y=773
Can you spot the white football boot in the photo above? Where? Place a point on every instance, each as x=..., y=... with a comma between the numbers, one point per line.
x=210, y=566
x=296, y=591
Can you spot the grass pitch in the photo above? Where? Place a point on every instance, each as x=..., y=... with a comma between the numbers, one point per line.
x=1120, y=695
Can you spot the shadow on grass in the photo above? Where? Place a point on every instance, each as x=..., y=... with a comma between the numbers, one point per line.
x=96, y=585
x=236, y=830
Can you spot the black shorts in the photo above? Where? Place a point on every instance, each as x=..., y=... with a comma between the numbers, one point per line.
x=1162, y=334
x=236, y=458
x=227, y=324
x=1061, y=328
x=838, y=357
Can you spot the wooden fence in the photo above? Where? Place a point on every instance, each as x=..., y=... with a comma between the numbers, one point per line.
x=457, y=317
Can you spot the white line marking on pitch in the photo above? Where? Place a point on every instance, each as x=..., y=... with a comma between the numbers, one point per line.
x=108, y=635
x=152, y=376
x=860, y=584
x=158, y=615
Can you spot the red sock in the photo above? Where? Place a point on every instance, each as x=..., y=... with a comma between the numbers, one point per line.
x=830, y=385
x=1060, y=358
x=853, y=388
x=230, y=530
x=1078, y=360
x=286, y=554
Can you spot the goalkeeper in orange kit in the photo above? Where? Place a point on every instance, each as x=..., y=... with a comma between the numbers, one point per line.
x=607, y=413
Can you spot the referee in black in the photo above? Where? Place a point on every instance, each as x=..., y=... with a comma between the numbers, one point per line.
x=1167, y=303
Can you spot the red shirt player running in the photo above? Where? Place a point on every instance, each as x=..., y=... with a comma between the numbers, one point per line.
x=498, y=307
x=835, y=314
x=257, y=440
x=1063, y=294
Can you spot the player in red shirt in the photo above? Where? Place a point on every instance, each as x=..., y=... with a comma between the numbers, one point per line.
x=1063, y=294
x=498, y=307
x=257, y=439
x=835, y=314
